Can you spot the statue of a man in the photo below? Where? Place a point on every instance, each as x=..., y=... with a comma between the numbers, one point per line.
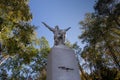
x=59, y=34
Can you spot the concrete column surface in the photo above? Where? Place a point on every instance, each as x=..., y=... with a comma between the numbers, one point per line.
x=62, y=64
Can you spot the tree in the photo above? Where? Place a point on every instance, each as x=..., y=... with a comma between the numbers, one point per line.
x=15, y=11
x=17, y=36
x=99, y=51
x=109, y=9
x=40, y=60
x=14, y=27
x=35, y=69
x=101, y=35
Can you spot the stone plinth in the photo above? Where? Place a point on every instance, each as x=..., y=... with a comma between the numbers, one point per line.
x=62, y=64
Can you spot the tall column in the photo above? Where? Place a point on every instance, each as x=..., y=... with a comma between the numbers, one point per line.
x=62, y=64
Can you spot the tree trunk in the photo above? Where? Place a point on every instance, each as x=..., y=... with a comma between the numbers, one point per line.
x=82, y=72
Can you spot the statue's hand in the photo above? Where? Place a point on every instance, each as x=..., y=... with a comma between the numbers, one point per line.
x=67, y=29
x=50, y=28
x=44, y=23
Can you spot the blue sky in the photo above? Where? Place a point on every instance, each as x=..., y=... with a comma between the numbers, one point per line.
x=64, y=13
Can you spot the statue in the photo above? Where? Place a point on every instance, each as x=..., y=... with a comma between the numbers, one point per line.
x=59, y=34
x=61, y=63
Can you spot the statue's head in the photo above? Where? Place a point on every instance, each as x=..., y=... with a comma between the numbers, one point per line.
x=56, y=27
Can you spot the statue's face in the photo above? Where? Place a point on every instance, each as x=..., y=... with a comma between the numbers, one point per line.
x=56, y=27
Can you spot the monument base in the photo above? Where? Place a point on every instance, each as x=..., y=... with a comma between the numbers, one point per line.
x=62, y=64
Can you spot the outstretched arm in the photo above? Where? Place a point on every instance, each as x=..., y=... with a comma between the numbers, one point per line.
x=51, y=29
x=67, y=29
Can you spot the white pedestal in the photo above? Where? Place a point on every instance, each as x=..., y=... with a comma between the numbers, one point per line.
x=62, y=64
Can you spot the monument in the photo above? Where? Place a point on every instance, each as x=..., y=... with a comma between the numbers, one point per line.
x=62, y=63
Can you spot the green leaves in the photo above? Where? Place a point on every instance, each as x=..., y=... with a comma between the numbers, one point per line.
x=17, y=35
x=101, y=35
x=15, y=10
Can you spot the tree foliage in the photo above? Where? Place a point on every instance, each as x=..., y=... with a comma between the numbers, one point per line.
x=101, y=35
x=15, y=33
x=17, y=69
x=15, y=10
x=17, y=39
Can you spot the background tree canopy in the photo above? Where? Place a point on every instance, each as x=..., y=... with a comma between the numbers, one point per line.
x=101, y=33
x=17, y=38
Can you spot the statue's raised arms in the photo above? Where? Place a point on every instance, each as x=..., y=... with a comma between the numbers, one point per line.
x=59, y=34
